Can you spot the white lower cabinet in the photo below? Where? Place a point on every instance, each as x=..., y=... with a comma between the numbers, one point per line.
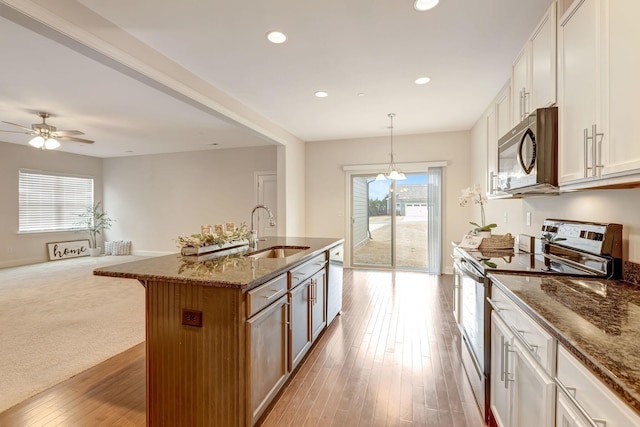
x=522, y=367
x=567, y=414
x=534, y=390
x=583, y=400
x=522, y=392
x=501, y=358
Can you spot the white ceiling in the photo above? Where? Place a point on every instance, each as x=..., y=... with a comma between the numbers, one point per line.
x=157, y=76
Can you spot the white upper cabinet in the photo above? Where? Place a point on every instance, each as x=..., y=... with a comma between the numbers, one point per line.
x=597, y=92
x=533, y=74
x=542, y=46
x=503, y=112
x=521, y=86
x=621, y=148
x=498, y=123
x=580, y=86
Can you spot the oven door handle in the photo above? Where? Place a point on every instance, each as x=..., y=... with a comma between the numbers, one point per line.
x=467, y=270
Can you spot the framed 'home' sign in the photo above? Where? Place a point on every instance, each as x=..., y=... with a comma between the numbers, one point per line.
x=69, y=249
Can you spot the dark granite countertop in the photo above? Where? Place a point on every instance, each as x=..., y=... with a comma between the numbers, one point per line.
x=598, y=321
x=230, y=270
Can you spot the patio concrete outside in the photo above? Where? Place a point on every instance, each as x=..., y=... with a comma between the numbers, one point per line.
x=411, y=243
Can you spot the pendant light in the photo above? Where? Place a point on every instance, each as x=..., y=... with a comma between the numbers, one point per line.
x=393, y=172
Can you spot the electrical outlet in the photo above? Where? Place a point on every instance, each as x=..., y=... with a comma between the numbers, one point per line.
x=506, y=217
x=192, y=318
x=529, y=219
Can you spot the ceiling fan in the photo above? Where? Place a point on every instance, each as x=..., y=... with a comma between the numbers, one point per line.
x=46, y=136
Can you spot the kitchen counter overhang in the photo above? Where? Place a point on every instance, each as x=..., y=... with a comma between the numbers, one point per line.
x=233, y=270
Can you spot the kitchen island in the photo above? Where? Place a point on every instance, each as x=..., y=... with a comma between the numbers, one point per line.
x=225, y=331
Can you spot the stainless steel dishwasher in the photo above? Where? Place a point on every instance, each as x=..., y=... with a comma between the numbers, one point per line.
x=334, y=285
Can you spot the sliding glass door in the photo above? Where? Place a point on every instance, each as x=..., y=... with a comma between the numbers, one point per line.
x=390, y=222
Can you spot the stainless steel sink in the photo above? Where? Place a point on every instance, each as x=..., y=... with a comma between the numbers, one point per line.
x=277, y=252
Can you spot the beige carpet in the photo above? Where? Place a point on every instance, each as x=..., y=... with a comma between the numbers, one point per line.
x=57, y=320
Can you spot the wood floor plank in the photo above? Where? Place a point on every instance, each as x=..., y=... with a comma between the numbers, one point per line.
x=390, y=359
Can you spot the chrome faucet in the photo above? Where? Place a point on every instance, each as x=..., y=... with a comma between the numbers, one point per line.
x=254, y=232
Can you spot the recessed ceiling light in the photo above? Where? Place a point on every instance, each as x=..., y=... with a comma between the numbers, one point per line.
x=321, y=94
x=361, y=94
x=422, y=80
x=422, y=5
x=276, y=37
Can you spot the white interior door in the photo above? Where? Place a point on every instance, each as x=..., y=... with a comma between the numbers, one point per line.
x=267, y=194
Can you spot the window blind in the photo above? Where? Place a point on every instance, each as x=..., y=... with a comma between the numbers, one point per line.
x=50, y=201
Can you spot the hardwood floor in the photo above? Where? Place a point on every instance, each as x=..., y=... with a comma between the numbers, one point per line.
x=391, y=359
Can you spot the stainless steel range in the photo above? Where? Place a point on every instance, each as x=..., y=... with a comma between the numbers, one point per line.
x=566, y=248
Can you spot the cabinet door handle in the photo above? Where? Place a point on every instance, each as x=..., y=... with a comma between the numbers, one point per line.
x=492, y=180
x=288, y=316
x=525, y=110
x=586, y=139
x=507, y=380
x=597, y=151
x=502, y=358
x=520, y=334
x=593, y=422
x=312, y=292
x=315, y=291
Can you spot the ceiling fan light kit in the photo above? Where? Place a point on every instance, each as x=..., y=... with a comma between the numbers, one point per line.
x=423, y=5
x=46, y=136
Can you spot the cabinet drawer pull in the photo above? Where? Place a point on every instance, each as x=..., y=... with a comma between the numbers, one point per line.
x=299, y=276
x=321, y=264
x=493, y=304
x=274, y=293
x=593, y=422
x=520, y=334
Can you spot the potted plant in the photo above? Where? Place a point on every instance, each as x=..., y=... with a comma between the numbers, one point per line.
x=93, y=221
x=473, y=194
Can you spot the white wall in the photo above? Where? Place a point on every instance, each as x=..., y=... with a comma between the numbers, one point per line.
x=156, y=198
x=614, y=206
x=19, y=249
x=325, y=178
x=291, y=188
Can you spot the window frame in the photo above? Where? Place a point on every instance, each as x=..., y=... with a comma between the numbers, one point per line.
x=65, y=195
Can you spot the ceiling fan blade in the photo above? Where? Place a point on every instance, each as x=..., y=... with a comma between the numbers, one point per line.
x=19, y=131
x=20, y=126
x=71, y=138
x=67, y=132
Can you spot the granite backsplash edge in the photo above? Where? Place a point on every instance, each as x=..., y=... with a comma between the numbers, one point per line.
x=631, y=272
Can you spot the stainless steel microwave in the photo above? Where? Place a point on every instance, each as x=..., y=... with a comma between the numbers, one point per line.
x=528, y=155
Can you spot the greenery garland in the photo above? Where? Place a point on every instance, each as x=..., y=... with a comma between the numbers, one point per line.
x=200, y=240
